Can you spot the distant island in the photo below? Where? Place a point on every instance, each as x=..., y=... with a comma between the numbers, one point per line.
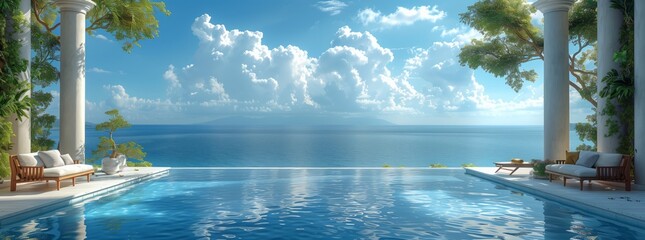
x=317, y=120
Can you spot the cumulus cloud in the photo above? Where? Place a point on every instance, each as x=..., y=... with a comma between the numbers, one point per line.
x=447, y=86
x=402, y=16
x=233, y=71
x=333, y=7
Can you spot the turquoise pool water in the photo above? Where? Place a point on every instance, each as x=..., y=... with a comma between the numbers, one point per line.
x=319, y=204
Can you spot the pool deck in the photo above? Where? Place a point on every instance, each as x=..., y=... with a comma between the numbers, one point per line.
x=35, y=198
x=606, y=199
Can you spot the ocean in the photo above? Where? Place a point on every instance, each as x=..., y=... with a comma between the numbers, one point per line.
x=330, y=146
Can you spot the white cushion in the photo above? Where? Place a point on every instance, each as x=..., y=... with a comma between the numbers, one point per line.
x=587, y=158
x=609, y=160
x=30, y=160
x=51, y=158
x=573, y=170
x=66, y=170
x=67, y=159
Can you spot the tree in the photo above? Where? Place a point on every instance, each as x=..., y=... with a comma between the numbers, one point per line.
x=511, y=40
x=129, y=21
x=12, y=89
x=108, y=145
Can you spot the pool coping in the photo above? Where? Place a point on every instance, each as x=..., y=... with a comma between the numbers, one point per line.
x=50, y=206
x=587, y=207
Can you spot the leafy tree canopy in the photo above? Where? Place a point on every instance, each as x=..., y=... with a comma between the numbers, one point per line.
x=129, y=21
x=511, y=39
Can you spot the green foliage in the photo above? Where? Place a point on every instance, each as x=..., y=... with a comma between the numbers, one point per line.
x=619, y=83
x=539, y=168
x=511, y=40
x=108, y=147
x=588, y=132
x=468, y=165
x=129, y=21
x=438, y=165
x=386, y=165
x=140, y=164
x=13, y=101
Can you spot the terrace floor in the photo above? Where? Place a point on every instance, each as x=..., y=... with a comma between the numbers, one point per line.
x=607, y=199
x=35, y=198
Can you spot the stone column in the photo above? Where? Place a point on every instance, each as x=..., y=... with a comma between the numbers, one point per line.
x=22, y=129
x=556, y=76
x=72, y=76
x=610, y=21
x=639, y=86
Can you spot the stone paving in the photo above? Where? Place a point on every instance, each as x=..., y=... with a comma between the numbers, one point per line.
x=607, y=199
x=35, y=198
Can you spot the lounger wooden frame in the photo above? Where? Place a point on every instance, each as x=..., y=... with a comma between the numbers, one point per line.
x=21, y=174
x=621, y=173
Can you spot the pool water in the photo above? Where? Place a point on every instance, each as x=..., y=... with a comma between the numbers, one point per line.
x=319, y=204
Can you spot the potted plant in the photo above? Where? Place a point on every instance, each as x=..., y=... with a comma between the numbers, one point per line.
x=113, y=154
x=539, y=168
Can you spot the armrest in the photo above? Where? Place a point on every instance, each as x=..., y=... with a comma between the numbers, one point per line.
x=610, y=173
x=31, y=173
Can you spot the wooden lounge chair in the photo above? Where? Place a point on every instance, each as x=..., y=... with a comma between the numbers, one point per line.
x=21, y=174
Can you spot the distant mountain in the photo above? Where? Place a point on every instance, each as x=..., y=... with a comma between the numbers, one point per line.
x=87, y=124
x=297, y=121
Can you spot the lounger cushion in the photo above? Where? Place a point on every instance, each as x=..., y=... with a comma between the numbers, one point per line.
x=572, y=157
x=66, y=170
x=51, y=158
x=573, y=170
x=609, y=160
x=30, y=160
x=67, y=159
x=587, y=159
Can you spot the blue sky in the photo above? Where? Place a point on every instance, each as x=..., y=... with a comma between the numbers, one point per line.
x=393, y=60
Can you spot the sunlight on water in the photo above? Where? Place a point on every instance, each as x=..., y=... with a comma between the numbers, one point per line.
x=319, y=204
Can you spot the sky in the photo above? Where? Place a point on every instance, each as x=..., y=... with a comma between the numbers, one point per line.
x=390, y=60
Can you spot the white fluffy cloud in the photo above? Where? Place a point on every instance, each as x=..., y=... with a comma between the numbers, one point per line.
x=233, y=71
x=333, y=7
x=98, y=70
x=402, y=16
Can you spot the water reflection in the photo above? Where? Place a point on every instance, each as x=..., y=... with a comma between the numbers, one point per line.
x=318, y=204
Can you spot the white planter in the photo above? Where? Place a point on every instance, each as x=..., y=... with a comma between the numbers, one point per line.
x=113, y=165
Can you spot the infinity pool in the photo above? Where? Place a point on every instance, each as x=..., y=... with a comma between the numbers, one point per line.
x=319, y=204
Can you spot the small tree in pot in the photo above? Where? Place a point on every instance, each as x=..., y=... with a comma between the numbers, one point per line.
x=109, y=148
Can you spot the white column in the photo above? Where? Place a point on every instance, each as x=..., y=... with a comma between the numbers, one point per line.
x=639, y=85
x=72, y=76
x=22, y=129
x=610, y=21
x=556, y=76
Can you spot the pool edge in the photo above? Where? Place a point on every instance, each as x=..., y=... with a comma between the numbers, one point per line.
x=44, y=208
x=585, y=207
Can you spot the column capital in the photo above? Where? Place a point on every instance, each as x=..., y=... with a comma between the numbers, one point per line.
x=546, y=6
x=82, y=6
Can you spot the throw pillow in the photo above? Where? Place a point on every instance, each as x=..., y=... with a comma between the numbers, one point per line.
x=67, y=159
x=609, y=160
x=27, y=160
x=51, y=158
x=587, y=159
x=572, y=157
